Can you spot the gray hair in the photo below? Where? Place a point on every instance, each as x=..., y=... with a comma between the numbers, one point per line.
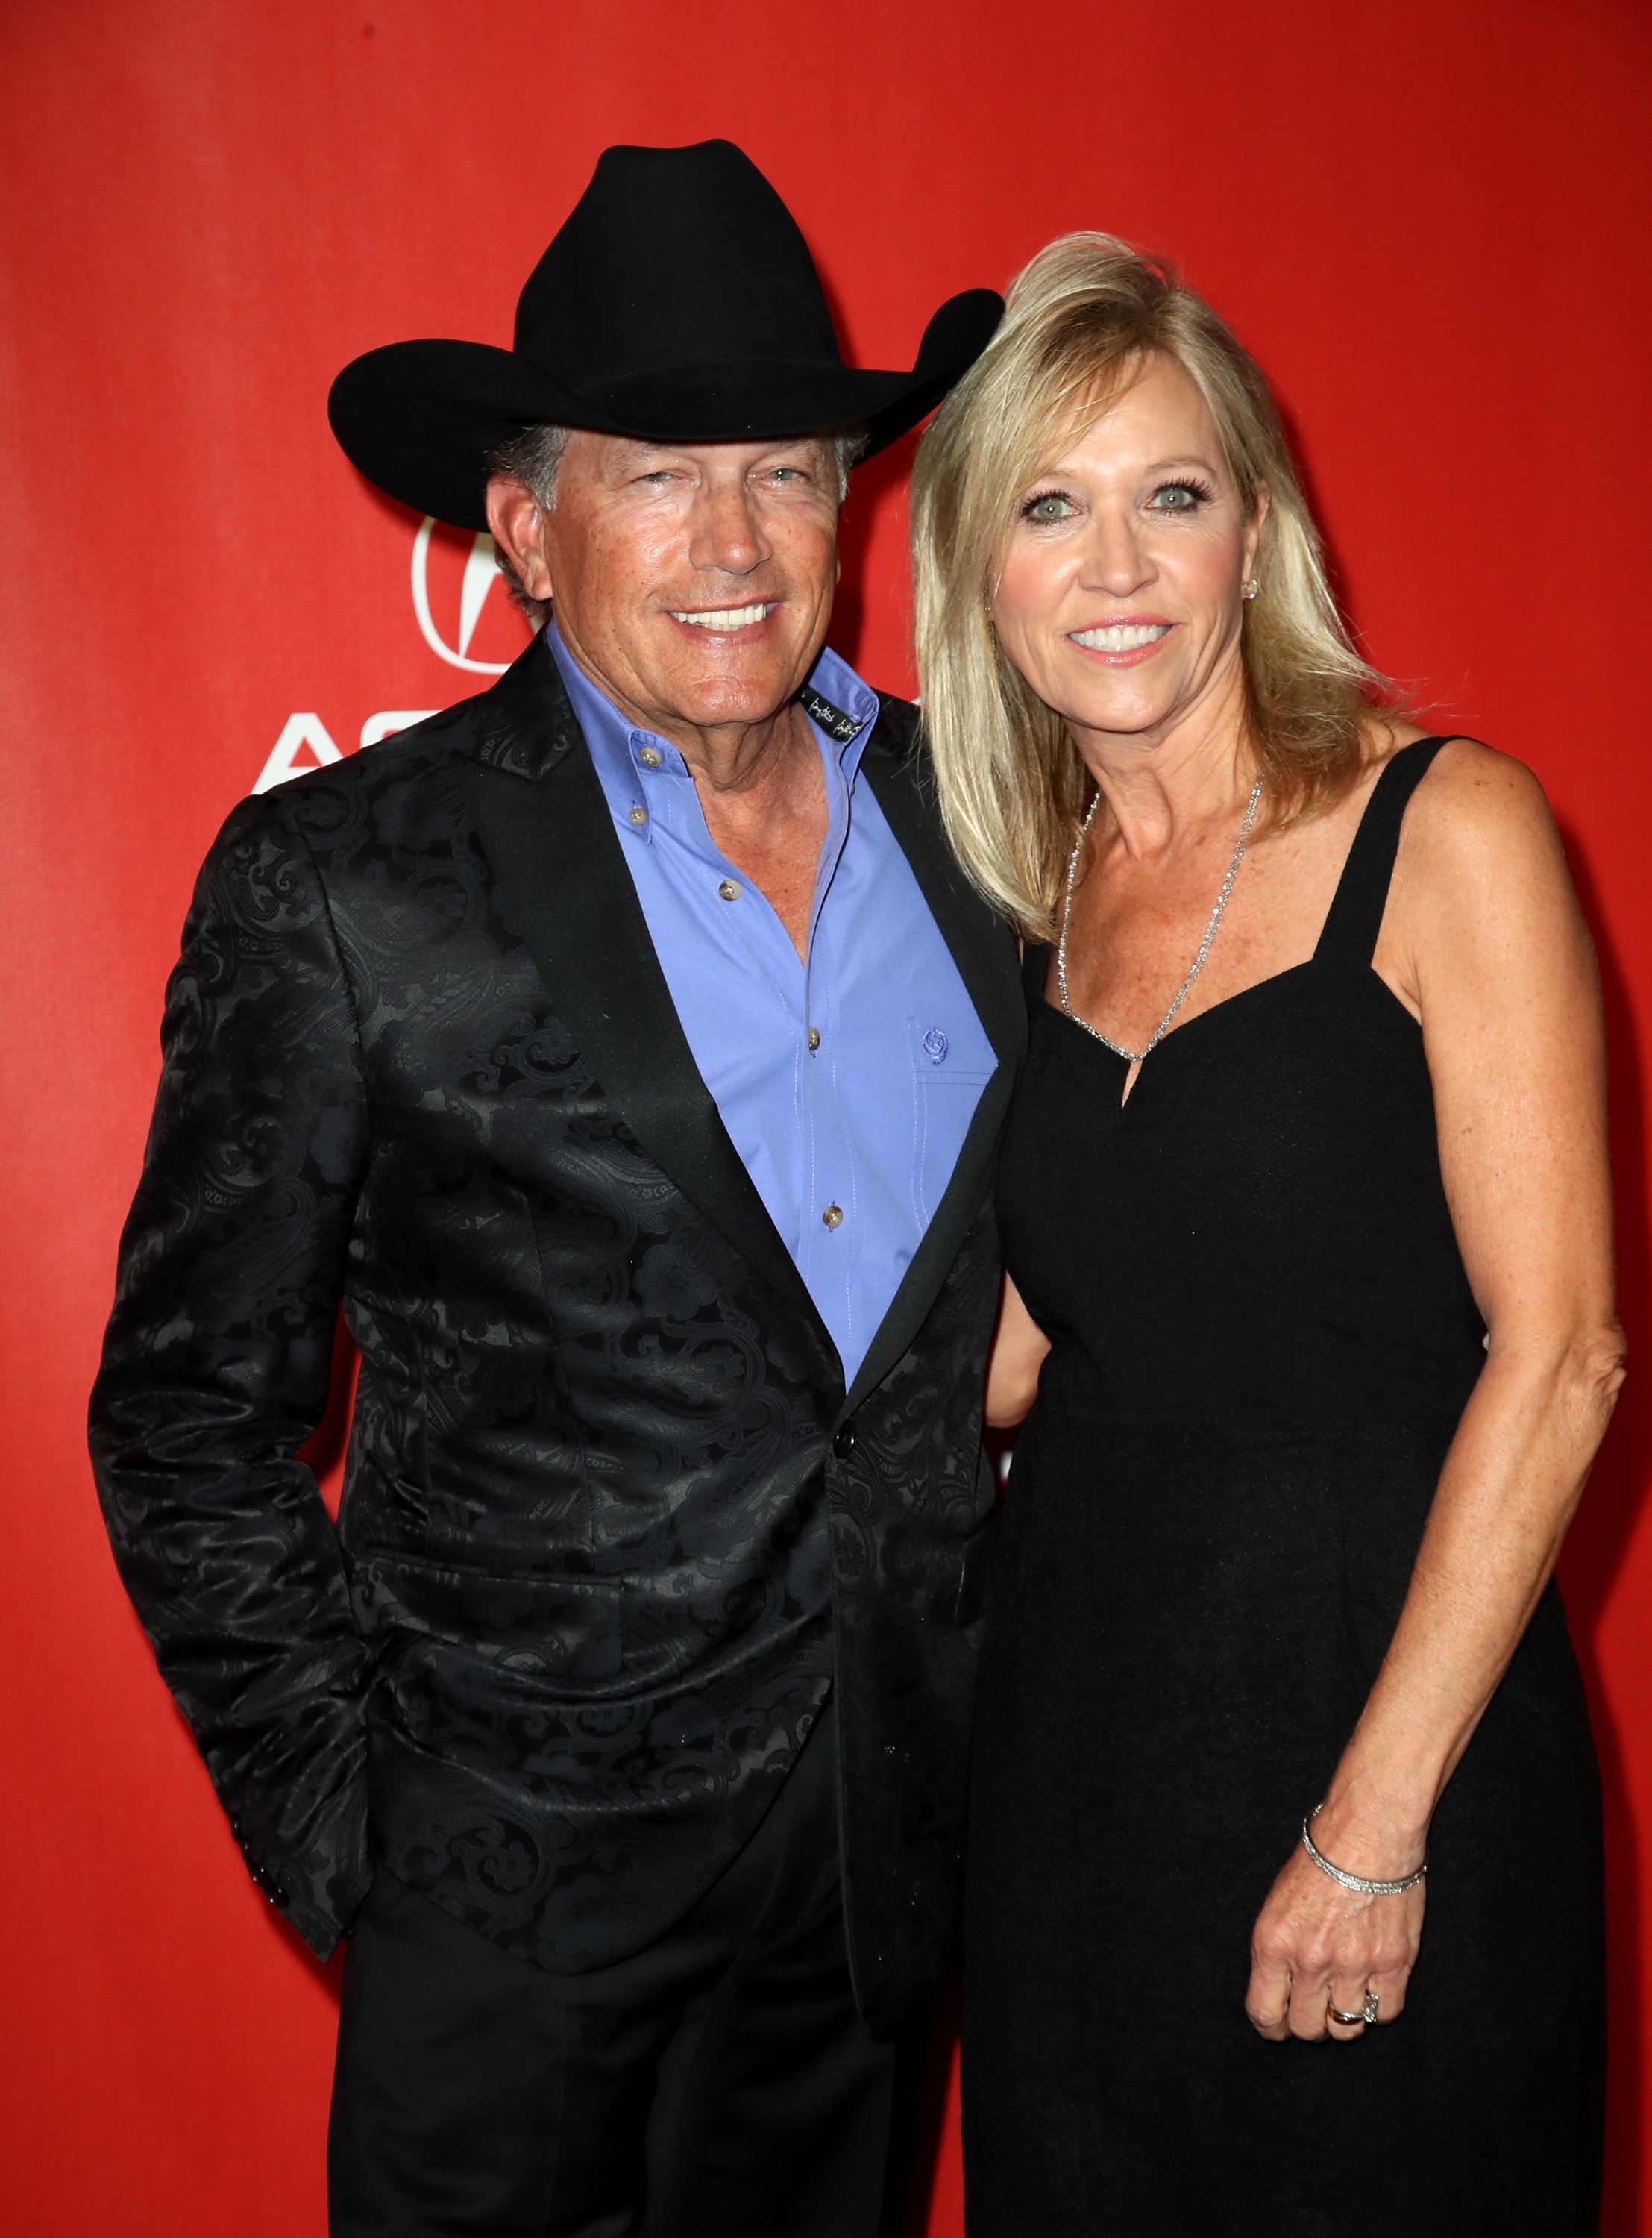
x=532, y=455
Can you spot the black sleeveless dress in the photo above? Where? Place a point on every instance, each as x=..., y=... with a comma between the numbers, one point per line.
x=1262, y=1341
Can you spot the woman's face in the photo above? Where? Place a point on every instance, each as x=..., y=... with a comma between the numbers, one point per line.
x=1120, y=589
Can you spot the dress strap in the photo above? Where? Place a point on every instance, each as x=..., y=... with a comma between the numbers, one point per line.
x=1036, y=970
x=1355, y=916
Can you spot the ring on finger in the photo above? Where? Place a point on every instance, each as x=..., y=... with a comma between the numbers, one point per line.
x=1363, y=2017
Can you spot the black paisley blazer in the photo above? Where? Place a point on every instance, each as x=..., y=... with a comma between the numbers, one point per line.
x=611, y=1526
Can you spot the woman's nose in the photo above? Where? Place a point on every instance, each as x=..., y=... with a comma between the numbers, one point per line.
x=1115, y=560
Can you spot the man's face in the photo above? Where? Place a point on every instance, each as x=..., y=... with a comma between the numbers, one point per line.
x=694, y=581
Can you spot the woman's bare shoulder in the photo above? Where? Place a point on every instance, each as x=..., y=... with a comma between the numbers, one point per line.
x=1465, y=776
x=1481, y=872
x=1476, y=809
x=1480, y=877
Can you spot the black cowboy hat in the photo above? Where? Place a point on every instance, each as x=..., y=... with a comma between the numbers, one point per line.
x=680, y=304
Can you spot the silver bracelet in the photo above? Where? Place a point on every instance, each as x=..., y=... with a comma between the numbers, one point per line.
x=1357, y=1881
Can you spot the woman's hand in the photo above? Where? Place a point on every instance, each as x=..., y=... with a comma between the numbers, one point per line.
x=1318, y=1947
x=1017, y=1354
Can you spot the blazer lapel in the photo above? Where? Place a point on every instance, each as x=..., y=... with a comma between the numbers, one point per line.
x=544, y=826
x=984, y=951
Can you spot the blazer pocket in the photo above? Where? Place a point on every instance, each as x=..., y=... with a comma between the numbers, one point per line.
x=563, y=1627
x=975, y=1566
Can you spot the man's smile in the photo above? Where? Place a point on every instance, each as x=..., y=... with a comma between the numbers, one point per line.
x=726, y=619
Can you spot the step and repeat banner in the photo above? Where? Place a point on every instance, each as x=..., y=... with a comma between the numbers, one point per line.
x=1428, y=220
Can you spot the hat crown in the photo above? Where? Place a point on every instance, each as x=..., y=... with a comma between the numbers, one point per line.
x=679, y=304
x=673, y=257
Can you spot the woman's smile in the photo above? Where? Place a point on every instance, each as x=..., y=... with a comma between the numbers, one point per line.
x=1123, y=643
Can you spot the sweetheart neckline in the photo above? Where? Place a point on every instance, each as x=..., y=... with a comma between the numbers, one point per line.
x=1214, y=1010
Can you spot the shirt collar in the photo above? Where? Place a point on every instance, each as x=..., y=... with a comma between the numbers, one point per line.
x=841, y=707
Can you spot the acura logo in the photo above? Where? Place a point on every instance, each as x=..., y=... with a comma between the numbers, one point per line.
x=481, y=575
x=307, y=743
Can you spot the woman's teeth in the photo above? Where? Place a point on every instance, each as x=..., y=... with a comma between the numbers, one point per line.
x=1122, y=637
x=725, y=618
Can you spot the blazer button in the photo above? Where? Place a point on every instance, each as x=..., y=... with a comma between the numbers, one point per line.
x=843, y=1441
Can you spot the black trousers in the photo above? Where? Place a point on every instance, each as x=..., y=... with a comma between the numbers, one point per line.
x=721, y=2081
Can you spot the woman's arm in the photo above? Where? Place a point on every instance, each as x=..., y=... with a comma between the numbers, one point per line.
x=1017, y=1354
x=1483, y=942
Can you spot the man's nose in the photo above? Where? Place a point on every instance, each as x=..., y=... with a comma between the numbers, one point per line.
x=726, y=534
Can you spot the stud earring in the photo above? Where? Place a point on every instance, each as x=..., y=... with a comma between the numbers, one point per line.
x=1251, y=589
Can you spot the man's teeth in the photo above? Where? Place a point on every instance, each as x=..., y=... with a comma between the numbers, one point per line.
x=1123, y=636
x=726, y=618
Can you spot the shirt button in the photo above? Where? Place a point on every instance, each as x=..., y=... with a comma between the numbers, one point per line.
x=814, y=1037
x=729, y=891
x=639, y=816
x=649, y=757
x=833, y=1216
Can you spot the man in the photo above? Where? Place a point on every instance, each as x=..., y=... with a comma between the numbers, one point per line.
x=623, y=1053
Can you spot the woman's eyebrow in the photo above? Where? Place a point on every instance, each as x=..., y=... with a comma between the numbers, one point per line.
x=1066, y=465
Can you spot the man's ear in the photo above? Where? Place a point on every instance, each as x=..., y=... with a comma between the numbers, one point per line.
x=516, y=521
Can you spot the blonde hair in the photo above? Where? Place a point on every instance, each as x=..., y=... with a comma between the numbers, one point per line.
x=1078, y=320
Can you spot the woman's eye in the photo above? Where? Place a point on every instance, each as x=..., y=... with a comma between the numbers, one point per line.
x=1051, y=505
x=1178, y=497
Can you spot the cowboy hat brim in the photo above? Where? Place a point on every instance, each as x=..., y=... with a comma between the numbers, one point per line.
x=419, y=419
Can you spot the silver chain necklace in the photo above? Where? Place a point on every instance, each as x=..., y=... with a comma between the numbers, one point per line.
x=1136, y=1056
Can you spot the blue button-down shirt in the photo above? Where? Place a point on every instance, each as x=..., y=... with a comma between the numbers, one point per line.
x=846, y=1082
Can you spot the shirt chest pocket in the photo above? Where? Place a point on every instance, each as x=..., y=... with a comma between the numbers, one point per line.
x=950, y=1061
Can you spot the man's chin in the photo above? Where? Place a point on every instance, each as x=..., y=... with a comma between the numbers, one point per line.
x=728, y=712
x=721, y=689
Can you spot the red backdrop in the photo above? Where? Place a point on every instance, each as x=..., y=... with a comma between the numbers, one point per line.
x=1429, y=220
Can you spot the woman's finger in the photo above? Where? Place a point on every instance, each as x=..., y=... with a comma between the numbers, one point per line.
x=1309, y=1996
x=1346, y=2008
x=1390, y=1988
x=1267, y=2001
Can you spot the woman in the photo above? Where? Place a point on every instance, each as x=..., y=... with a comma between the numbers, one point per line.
x=1306, y=1215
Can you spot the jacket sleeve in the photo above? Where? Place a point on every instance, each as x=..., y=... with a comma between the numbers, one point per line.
x=217, y=1358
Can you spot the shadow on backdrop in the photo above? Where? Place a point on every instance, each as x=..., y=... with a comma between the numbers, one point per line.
x=1594, y=1555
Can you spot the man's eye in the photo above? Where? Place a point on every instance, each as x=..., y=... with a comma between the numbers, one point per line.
x=1051, y=506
